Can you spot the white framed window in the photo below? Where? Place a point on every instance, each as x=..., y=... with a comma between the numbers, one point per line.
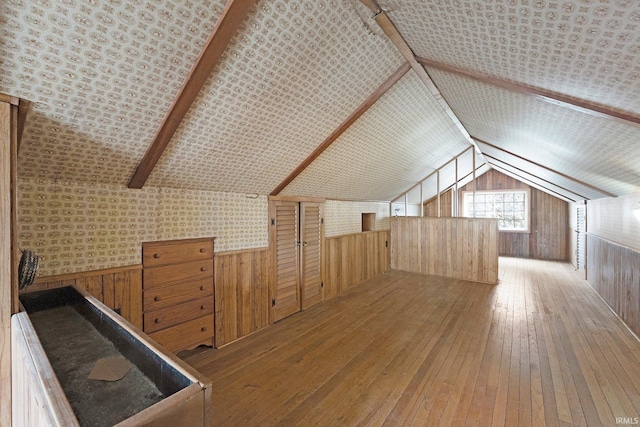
x=510, y=207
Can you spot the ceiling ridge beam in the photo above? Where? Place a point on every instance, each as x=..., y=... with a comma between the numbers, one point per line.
x=381, y=90
x=227, y=26
x=584, y=184
x=400, y=43
x=546, y=95
x=530, y=183
x=495, y=159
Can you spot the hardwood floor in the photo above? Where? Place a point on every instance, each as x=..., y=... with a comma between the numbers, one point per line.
x=539, y=348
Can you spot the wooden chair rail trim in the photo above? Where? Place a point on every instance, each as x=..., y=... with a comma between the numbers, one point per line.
x=82, y=274
x=241, y=251
x=339, y=236
x=611, y=242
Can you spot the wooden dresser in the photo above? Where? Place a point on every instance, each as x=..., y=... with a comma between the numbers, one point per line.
x=177, y=282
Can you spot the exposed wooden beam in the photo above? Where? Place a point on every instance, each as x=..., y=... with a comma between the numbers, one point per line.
x=530, y=183
x=381, y=90
x=492, y=160
x=23, y=111
x=584, y=184
x=9, y=99
x=226, y=27
x=546, y=95
x=396, y=38
x=372, y=4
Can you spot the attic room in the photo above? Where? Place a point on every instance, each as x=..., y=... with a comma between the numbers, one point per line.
x=328, y=212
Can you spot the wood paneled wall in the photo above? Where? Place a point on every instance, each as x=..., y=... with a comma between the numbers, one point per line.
x=353, y=258
x=242, y=301
x=241, y=293
x=614, y=272
x=549, y=227
x=430, y=207
x=120, y=288
x=461, y=248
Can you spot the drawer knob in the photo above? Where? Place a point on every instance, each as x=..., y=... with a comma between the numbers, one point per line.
x=156, y=298
x=203, y=329
x=202, y=288
x=203, y=268
x=202, y=307
x=202, y=250
x=156, y=256
x=157, y=320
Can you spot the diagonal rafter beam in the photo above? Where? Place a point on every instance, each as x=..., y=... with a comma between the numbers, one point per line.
x=546, y=95
x=527, y=181
x=494, y=161
x=226, y=27
x=577, y=181
x=396, y=38
x=381, y=90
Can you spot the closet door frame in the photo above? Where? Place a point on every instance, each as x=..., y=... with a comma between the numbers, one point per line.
x=274, y=314
x=305, y=250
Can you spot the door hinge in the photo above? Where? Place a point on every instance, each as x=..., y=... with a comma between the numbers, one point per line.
x=273, y=221
x=273, y=302
x=386, y=243
x=321, y=220
x=322, y=284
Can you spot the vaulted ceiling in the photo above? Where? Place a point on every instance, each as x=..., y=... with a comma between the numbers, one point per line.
x=339, y=99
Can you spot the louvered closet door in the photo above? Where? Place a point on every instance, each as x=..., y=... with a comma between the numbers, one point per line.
x=286, y=300
x=580, y=238
x=310, y=272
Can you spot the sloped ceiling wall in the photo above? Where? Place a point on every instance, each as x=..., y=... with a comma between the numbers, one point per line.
x=102, y=76
x=587, y=50
x=287, y=81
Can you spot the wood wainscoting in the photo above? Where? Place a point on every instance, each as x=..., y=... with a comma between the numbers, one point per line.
x=461, y=248
x=118, y=288
x=614, y=272
x=241, y=293
x=353, y=258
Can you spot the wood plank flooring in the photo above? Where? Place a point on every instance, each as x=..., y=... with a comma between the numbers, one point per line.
x=539, y=348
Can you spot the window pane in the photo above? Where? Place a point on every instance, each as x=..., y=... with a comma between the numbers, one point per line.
x=509, y=207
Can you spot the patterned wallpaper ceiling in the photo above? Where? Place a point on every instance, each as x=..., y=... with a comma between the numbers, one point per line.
x=405, y=115
x=591, y=149
x=102, y=75
x=292, y=76
x=588, y=49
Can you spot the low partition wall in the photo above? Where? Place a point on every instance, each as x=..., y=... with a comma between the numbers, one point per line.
x=353, y=258
x=461, y=248
x=614, y=272
x=241, y=293
x=118, y=288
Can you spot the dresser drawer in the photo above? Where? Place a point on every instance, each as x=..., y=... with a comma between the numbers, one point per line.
x=178, y=273
x=186, y=335
x=159, y=297
x=171, y=316
x=163, y=253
